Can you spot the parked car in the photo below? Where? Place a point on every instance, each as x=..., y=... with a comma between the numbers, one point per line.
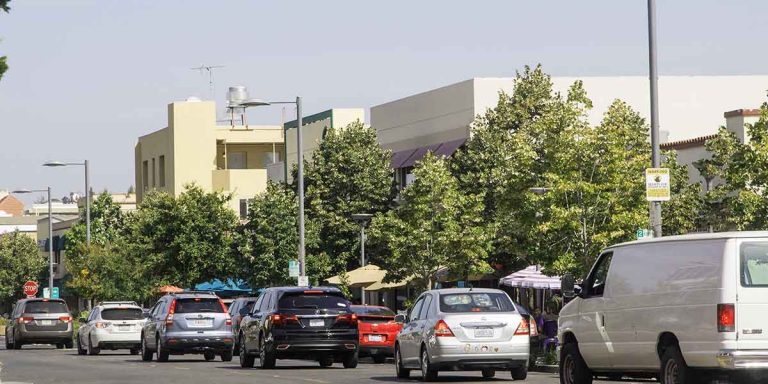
x=39, y=321
x=378, y=331
x=465, y=329
x=300, y=323
x=111, y=325
x=188, y=322
x=672, y=307
x=237, y=310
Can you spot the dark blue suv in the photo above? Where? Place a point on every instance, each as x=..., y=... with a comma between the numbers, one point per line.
x=299, y=323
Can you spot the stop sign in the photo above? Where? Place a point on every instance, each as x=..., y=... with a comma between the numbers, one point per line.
x=30, y=288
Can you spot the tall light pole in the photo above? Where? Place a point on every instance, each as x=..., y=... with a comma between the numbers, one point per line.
x=362, y=219
x=50, y=234
x=87, y=194
x=655, y=206
x=299, y=177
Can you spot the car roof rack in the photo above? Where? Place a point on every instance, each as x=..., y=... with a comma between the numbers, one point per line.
x=119, y=303
x=190, y=292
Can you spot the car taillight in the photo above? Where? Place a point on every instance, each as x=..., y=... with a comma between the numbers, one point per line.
x=534, y=328
x=25, y=320
x=523, y=328
x=102, y=324
x=280, y=319
x=726, y=318
x=65, y=319
x=442, y=329
x=349, y=318
x=171, y=311
x=224, y=308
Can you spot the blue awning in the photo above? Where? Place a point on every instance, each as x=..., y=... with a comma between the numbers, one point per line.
x=229, y=287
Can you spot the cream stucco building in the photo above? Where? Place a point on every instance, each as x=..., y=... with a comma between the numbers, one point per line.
x=194, y=149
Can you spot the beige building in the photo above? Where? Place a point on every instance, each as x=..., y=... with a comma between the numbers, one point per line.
x=24, y=224
x=61, y=225
x=439, y=120
x=313, y=130
x=194, y=149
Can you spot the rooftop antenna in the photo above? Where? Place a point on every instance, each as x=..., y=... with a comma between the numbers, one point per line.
x=210, y=69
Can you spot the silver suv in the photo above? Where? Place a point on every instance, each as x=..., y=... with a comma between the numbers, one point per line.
x=188, y=322
x=39, y=321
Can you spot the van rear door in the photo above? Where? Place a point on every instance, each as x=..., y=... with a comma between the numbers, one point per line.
x=751, y=309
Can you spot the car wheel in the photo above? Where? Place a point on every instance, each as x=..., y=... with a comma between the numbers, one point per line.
x=267, y=358
x=91, y=349
x=428, y=373
x=8, y=344
x=326, y=361
x=402, y=372
x=351, y=360
x=134, y=351
x=146, y=353
x=573, y=369
x=674, y=370
x=59, y=345
x=520, y=373
x=208, y=356
x=227, y=355
x=246, y=360
x=489, y=373
x=379, y=359
x=162, y=354
x=80, y=349
x=68, y=344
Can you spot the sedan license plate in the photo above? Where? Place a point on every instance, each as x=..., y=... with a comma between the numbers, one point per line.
x=483, y=332
x=46, y=322
x=375, y=338
x=316, y=322
x=202, y=323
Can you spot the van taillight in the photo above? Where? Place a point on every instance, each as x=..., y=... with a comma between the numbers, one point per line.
x=25, y=320
x=442, y=329
x=171, y=311
x=65, y=319
x=726, y=318
x=523, y=328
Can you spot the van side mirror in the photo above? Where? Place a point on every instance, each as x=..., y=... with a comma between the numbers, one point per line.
x=567, y=286
x=400, y=319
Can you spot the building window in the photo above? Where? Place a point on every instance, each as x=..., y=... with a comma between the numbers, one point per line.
x=243, y=208
x=237, y=160
x=162, y=170
x=145, y=174
x=154, y=174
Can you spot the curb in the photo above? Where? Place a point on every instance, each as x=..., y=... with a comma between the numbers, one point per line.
x=546, y=368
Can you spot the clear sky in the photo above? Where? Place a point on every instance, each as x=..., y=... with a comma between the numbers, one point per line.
x=88, y=77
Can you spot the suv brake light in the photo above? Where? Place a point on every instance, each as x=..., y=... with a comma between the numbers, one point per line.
x=523, y=328
x=102, y=324
x=442, y=329
x=224, y=308
x=65, y=319
x=726, y=318
x=25, y=320
x=171, y=310
x=348, y=318
x=279, y=319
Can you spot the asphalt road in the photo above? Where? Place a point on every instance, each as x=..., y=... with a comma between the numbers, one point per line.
x=44, y=364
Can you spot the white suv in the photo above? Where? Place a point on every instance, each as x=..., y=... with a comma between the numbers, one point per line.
x=111, y=325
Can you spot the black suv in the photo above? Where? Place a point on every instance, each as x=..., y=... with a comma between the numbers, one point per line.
x=299, y=323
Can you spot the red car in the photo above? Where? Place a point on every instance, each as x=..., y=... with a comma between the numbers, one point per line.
x=378, y=330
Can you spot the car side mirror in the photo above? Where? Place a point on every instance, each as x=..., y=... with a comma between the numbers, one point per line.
x=400, y=319
x=568, y=286
x=244, y=311
x=146, y=315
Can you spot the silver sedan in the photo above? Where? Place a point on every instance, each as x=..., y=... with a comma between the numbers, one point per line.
x=464, y=329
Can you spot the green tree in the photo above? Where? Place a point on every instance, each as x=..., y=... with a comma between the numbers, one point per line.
x=349, y=173
x=20, y=261
x=3, y=59
x=726, y=152
x=270, y=240
x=683, y=212
x=185, y=240
x=435, y=226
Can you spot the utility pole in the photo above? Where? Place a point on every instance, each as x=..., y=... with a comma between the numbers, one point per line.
x=655, y=206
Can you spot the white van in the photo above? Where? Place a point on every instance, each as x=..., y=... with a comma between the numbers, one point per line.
x=677, y=308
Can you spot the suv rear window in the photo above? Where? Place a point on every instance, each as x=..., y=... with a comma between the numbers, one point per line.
x=312, y=301
x=198, y=304
x=122, y=314
x=475, y=302
x=754, y=265
x=46, y=307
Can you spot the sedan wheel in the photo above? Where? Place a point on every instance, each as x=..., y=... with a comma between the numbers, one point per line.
x=402, y=372
x=427, y=372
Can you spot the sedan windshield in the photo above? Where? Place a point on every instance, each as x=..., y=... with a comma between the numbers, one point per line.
x=475, y=302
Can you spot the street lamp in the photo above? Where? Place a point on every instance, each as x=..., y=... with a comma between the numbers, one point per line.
x=300, y=176
x=362, y=219
x=50, y=234
x=87, y=194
